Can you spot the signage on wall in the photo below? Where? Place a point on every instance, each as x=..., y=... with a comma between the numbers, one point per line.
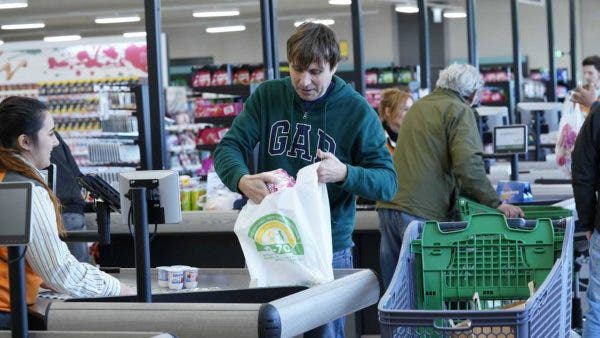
x=533, y=2
x=344, y=50
x=27, y=62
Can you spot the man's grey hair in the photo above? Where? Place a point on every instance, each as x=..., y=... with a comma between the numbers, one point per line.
x=461, y=78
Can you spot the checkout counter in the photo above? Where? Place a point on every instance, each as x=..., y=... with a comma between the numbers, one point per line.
x=223, y=305
x=205, y=239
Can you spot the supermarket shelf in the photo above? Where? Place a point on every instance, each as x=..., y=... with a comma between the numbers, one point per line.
x=413, y=85
x=209, y=147
x=185, y=127
x=216, y=120
x=183, y=149
x=236, y=90
x=128, y=108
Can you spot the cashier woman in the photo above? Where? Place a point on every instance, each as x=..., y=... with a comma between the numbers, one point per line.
x=26, y=140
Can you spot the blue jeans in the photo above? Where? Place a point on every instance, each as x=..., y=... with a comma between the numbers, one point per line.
x=74, y=221
x=392, y=224
x=341, y=260
x=591, y=326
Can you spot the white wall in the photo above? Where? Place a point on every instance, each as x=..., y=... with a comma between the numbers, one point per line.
x=494, y=37
x=381, y=40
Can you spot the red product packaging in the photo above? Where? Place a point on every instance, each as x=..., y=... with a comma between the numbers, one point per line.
x=241, y=75
x=282, y=180
x=221, y=76
x=371, y=76
x=201, y=78
x=211, y=135
x=257, y=75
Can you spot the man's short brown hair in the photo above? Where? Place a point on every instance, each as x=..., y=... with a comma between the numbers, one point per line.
x=593, y=60
x=313, y=42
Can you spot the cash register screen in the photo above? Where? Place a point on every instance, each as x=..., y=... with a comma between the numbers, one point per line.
x=15, y=210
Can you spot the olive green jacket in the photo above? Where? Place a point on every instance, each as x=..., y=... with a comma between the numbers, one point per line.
x=438, y=156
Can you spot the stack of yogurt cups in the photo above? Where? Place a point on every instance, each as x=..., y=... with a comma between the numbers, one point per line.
x=177, y=277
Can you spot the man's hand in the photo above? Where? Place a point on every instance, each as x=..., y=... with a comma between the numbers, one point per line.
x=331, y=169
x=255, y=186
x=585, y=96
x=510, y=211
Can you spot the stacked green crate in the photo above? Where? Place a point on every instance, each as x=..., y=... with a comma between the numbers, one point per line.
x=467, y=208
x=487, y=257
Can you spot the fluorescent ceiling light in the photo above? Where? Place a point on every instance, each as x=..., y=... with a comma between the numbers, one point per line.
x=214, y=14
x=408, y=9
x=340, y=2
x=454, y=14
x=118, y=19
x=326, y=22
x=23, y=26
x=62, y=38
x=225, y=29
x=134, y=34
x=12, y=4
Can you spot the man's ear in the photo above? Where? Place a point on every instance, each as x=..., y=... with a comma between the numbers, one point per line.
x=24, y=142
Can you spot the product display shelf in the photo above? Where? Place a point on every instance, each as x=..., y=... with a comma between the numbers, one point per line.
x=213, y=109
x=98, y=120
x=21, y=89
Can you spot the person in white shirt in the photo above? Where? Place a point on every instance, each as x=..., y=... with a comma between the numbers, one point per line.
x=26, y=141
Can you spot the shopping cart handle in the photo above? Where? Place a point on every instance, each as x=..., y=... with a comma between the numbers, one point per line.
x=463, y=326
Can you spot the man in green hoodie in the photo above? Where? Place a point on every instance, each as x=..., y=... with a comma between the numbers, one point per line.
x=438, y=156
x=311, y=115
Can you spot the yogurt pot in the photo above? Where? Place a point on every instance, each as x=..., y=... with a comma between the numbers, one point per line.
x=175, y=276
x=163, y=276
x=190, y=278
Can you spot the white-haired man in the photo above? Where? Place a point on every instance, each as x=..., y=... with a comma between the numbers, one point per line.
x=437, y=158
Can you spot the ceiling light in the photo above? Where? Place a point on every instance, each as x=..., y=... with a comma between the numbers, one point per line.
x=340, y=2
x=455, y=14
x=134, y=35
x=225, y=29
x=407, y=9
x=23, y=26
x=118, y=19
x=8, y=4
x=62, y=38
x=326, y=22
x=214, y=14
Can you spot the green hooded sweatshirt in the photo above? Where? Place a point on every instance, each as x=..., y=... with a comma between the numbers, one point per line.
x=342, y=122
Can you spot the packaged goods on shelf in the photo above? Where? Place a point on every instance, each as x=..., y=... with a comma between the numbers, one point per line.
x=371, y=76
x=226, y=74
x=205, y=108
x=192, y=193
x=211, y=135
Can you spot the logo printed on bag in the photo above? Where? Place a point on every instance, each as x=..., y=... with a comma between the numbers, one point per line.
x=277, y=234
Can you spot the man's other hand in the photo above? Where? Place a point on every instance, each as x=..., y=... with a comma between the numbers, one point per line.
x=331, y=169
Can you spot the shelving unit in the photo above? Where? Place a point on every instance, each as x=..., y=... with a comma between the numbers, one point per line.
x=98, y=119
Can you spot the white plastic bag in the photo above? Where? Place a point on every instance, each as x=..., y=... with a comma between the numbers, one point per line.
x=570, y=122
x=286, y=239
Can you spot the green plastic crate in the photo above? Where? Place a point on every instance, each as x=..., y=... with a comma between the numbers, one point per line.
x=487, y=257
x=468, y=208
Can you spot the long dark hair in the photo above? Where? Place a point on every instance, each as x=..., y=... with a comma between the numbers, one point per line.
x=23, y=116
